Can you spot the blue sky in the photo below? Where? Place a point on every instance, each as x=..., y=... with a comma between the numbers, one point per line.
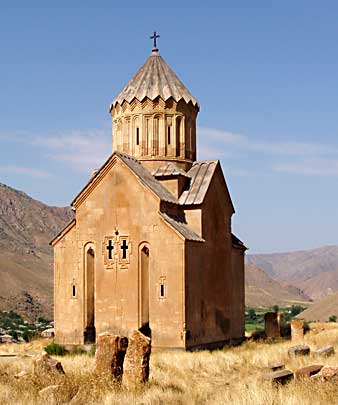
x=265, y=74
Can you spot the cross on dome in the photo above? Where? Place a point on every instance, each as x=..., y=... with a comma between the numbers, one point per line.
x=154, y=37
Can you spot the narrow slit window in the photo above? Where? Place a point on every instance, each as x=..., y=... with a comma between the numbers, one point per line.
x=162, y=291
x=169, y=135
x=137, y=136
x=73, y=290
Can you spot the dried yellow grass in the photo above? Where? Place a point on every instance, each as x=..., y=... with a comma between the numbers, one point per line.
x=229, y=376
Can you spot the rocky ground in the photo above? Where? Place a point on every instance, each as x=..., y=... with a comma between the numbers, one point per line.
x=229, y=376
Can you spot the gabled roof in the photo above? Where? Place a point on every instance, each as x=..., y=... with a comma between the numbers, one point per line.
x=154, y=79
x=169, y=169
x=182, y=228
x=201, y=174
x=141, y=173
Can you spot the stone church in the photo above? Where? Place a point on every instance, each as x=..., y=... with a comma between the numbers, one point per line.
x=151, y=245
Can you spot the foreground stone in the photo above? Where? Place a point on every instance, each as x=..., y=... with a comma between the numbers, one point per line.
x=272, y=324
x=301, y=350
x=297, y=329
x=325, y=351
x=45, y=364
x=110, y=353
x=279, y=377
x=327, y=373
x=54, y=395
x=308, y=371
x=274, y=367
x=136, y=364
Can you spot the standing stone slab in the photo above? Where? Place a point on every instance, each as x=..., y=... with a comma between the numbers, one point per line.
x=272, y=324
x=297, y=329
x=110, y=353
x=279, y=377
x=44, y=364
x=325, y=351
x=301, y=350
x=136, y=364
x=308, y=371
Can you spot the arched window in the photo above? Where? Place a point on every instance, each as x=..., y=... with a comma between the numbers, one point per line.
x=156, y=136
x=178, y=135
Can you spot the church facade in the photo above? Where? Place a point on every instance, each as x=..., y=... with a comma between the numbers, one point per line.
x=151, y=245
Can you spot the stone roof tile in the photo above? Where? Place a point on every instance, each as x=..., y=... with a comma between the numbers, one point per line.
x=154, y=79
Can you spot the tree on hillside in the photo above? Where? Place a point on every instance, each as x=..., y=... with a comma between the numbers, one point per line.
x=275, y=308
x=296, y=309
x=333, y=318
x=252, y=314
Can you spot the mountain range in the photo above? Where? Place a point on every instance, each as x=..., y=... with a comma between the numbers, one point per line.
x=314, y=271
x=26, y=259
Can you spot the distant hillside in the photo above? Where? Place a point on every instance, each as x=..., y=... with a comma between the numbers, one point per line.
x=321, y=310
x=314, y=271
x=262, y=291
x=26, y=259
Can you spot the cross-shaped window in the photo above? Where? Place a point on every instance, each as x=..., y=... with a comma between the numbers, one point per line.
x=124, y=248
x=110, y=249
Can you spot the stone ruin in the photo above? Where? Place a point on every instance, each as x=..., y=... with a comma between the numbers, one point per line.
x=272, y=324
x=136, y=366
x=297, y=329
x=122, y=358
x=110, y=352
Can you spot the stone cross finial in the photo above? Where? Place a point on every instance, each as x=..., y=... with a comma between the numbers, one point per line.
x=154, y=37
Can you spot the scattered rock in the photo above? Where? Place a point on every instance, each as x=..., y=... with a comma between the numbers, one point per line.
x=136, y=364
x=279, y=377
x=45, y=364
x=325, y=351
x=308, y=371
x=297, y=329
x=50, y=394
x=110, y=353
x=327, y=373
x=21, y=374
x=272, y=324
x=275, y=367
x=301, y=350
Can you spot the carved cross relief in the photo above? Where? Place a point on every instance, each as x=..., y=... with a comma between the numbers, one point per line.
x=116, y=251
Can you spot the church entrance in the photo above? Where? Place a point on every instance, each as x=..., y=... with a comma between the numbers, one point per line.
x=144, y=291
x=89, y=333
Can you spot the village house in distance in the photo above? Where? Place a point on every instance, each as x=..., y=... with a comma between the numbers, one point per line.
x=151, y=245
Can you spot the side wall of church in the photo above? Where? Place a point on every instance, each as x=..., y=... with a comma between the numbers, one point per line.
x=238, y=293
x=210, y=281
x=120, y=203
x=68, y=314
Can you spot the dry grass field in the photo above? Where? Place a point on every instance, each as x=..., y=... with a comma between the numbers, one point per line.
x=229, y=376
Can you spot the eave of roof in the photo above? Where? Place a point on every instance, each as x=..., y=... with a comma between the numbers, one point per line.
x=237, y=243
x=63, y=232
x=181, y=228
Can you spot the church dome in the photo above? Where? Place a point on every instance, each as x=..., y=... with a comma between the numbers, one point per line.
x=155, y=79
x=154, y=117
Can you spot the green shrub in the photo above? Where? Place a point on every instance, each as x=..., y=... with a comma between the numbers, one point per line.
x=56, y=349
x=333, y=318
x=92, y=351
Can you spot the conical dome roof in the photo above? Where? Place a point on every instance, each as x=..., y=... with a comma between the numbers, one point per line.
x=154, y=79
